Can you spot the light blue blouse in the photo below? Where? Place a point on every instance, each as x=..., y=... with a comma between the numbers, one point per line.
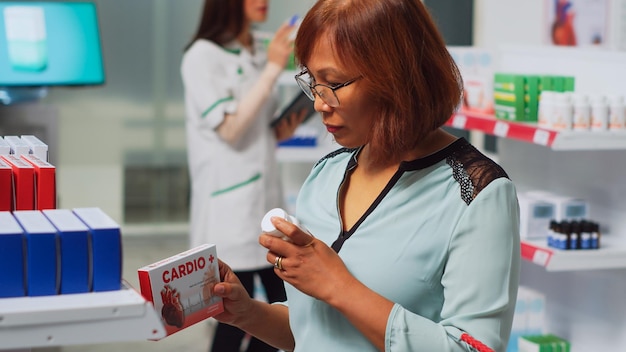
x=441, y=241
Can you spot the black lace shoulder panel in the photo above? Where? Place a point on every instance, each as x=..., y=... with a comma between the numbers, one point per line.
x=473, y=170
x=335, y=153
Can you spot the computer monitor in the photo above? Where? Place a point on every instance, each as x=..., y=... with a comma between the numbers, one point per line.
x=44, y=44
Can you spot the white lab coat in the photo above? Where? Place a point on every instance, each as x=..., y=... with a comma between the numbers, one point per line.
x=231, y=187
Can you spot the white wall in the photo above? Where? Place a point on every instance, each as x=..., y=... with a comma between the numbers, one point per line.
x=498, y=22
x=502, y=22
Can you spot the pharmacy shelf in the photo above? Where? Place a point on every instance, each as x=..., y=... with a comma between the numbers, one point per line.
x=531, y=133
x=73, y=319
x=611, y=255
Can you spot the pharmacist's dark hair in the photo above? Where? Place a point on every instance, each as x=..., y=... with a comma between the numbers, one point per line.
x=221, y=21
x=397, y=49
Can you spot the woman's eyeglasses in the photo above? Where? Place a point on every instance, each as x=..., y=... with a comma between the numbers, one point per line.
x=324, y=91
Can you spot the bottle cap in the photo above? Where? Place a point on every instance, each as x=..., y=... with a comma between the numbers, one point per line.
x=561, y=97
x=579, y=98
x=547, y=95
x=266, y=223
x=599, y=99
x=294, y=20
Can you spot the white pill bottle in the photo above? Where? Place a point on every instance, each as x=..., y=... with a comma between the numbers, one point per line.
x=267, y=226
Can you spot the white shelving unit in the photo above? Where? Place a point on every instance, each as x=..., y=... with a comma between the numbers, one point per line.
x=72, y=319
x=583, y=290
x=531, y=133
x=612, y=254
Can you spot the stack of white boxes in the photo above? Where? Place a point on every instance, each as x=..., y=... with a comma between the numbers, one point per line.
x=538, y=208
x=529, y=318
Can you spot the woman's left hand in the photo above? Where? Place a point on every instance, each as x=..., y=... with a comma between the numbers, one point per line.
x=307, y=263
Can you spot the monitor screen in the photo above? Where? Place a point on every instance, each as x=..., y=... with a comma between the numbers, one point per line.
x=49, y=44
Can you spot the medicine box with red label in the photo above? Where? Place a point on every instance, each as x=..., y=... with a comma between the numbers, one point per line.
x=6, y=187
x=23, y=182
x=5, y=148
x=180, y=287
x=37, y=147
x=45, y=182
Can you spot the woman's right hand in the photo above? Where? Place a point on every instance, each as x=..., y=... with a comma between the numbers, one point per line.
x=281, y=45
x=237, y=302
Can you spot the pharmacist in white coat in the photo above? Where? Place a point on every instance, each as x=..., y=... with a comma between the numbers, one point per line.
x=229, y=78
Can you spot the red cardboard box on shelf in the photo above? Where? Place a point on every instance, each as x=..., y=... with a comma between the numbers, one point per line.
x=18, y=146
x=5, y=148
x=23, y=182
x=37, y=147
x=6, y=186
x=180, y=287
x=45, y=182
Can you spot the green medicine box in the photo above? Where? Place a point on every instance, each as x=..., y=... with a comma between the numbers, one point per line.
x=543, y=343
x=531, y=98
x=508, y=91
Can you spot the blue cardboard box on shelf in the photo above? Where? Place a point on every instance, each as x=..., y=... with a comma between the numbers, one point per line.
x=106, y=248
x=42, y=277
x=73, y=250
x=11, y=256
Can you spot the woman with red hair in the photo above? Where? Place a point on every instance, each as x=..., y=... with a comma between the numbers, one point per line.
x=412, y=234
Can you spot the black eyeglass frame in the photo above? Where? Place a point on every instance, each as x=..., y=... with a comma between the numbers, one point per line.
x=312, y=91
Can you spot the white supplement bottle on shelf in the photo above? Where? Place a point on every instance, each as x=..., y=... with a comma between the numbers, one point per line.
x=562, y=115
x=617, y=118
x=599, y=113
x=582, y=112
x=546, y=109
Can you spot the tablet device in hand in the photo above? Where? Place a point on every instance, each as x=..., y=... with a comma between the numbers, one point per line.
x=300, y=102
